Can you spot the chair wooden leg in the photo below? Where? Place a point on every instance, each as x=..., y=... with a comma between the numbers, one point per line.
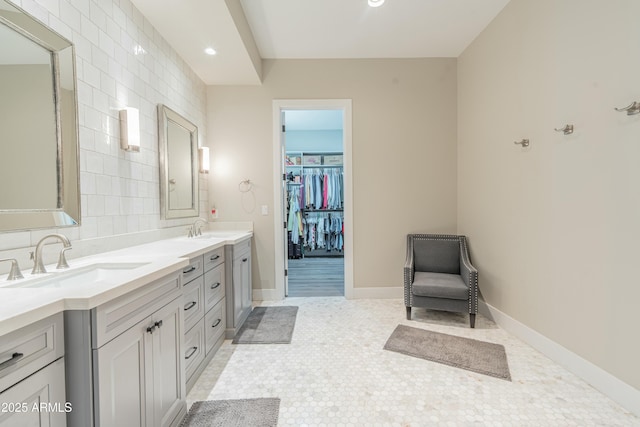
x=408, y=313
x=472, y=320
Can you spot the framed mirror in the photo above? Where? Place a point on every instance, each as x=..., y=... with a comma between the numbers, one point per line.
x=178, y=165
x=38, y=125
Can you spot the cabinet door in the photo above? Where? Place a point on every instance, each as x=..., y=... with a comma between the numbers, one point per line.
x=121, y=376
x=168, y=383
x=241, y=287
x=36, y=401
x=246, y=282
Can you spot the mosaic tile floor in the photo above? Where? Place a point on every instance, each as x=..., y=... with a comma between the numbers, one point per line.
x=335, y=373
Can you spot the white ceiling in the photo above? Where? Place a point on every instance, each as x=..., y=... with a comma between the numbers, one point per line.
x=312, y=29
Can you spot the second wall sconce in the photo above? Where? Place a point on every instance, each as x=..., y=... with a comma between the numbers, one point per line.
x=203, y=157
x=524, y=143
x=130, y=129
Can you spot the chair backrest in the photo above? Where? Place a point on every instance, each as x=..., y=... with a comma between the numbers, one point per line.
x=436, y=254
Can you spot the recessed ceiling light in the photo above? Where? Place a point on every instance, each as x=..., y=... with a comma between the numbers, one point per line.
x=210, y=51
x=376, y=3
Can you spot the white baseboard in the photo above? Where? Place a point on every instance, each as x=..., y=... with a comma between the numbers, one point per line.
x=619, y=391
x=356, y=293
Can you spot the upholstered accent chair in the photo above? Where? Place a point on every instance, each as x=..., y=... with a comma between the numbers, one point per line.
x=438, y=275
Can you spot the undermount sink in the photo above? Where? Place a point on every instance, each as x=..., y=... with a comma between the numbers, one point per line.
x=83, y=276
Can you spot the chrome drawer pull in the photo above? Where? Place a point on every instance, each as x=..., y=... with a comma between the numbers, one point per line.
x=245, y=259
x=190, y=305
x=14, y=359
x=151, y=328
x=215, y=285
x=158, y=324
x=217, y=323
x=188, y=270
x=213, y=258
x=193, y=351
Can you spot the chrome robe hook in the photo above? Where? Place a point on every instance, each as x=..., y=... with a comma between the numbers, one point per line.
x=631, y=109
x=567, y=129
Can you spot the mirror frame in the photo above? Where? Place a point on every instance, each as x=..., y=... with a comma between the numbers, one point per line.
x=67, y=212
x=165, y=116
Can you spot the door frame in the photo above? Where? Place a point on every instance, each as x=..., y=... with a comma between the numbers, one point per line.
x=278, y=214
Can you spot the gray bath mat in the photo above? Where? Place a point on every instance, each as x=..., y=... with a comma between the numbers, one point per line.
x=261, y=412
x=268, y=325
x=473, y=355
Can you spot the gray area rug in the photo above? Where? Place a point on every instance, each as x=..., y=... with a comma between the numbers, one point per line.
x=473, y=355
x=261, y=412
x=268, y=325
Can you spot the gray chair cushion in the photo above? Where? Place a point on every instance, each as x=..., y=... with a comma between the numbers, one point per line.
x=439, y=285
x=438, y=256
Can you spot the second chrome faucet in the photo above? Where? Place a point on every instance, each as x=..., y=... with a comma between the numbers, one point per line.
x=36, y=256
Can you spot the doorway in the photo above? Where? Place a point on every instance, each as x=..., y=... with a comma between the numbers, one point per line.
x=314, y=202
x=312, y=142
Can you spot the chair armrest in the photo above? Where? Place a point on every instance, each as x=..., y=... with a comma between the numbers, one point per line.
x=409, y=270
x=469, y=275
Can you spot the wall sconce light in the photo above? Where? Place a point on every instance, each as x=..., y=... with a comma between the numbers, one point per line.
x=203, y=157
x=130, y=129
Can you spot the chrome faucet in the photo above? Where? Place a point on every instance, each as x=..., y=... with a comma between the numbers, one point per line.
x=38, y=265
x=14, y=273
x=195, y=230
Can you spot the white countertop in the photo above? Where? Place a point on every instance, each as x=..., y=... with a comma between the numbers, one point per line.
x=22, y=306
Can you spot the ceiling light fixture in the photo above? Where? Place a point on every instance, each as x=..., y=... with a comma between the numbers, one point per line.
x=210, y=51
x=375, y=3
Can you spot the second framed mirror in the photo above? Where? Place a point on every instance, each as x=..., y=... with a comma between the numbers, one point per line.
x=178, y=165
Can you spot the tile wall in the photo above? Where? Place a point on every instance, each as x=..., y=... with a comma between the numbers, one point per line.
x=121, y=60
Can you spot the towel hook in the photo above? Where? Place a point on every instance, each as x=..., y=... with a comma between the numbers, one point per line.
x=524, y=143
x=567, y=129
x=631, y=109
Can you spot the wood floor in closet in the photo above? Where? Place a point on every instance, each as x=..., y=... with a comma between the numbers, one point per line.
x=316, y=277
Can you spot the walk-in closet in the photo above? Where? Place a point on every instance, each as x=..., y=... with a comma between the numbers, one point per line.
x=314, y=181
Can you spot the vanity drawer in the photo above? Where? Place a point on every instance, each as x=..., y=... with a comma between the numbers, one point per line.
x=193, y=270
x=213, y=258
x=193, y=301
x=213, y=286
x=193, y=351
x=214, y=325
x=114, y=317
x=28, y=349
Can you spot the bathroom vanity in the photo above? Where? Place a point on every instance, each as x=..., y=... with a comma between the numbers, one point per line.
x=121, y=337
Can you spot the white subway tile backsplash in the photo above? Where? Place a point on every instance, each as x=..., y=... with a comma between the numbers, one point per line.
x=95, y=205
x=89, y=30
x=119, y=190
x=60, y=27
x=94, y=162
x=15, y=240
x=70, y=15
x=91, y=73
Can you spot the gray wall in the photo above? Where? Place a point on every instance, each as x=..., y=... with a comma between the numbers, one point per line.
x=404, y=153
x=554, y=229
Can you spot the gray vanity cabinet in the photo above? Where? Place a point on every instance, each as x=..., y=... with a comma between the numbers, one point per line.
x=124, y=364
x=238, y=285
x=32, y=375
x=204, y=307
x=139, y=372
